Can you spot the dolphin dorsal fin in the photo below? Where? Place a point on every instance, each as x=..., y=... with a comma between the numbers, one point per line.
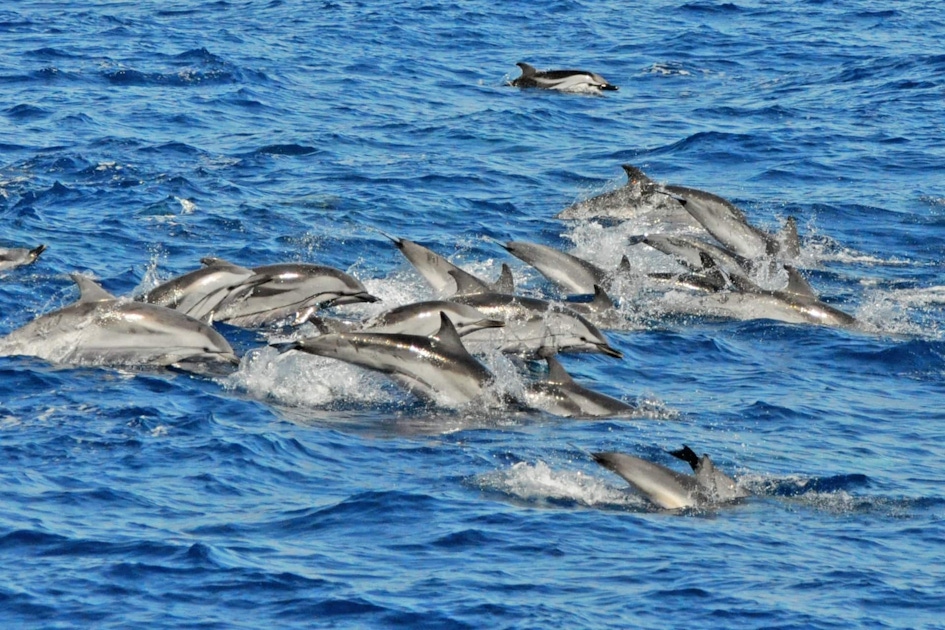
x=505, y=283
x=798, y=284
x=527, y=70
x=212, y=261
x=635, y=175
x=466, y=283
x=789, y=238
x=556, y=371
x=447, y=334
x=89, y=290
x=601, y=302
x=624, y=267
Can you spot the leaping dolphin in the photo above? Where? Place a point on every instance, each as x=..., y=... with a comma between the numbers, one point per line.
x=12, y=257
x=102, y=330
x=424, y=318
x=577, y=81
x=669, y=489
x=565, y=270
x=438, y=367
x=296, y=290
x=198, y=293
x=443, y=275
x=532, y=324
x=639, y=197
x=796, y=304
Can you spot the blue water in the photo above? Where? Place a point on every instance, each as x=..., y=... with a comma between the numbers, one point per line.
x=137, y=137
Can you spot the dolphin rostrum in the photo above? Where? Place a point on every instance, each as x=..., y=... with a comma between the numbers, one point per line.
x=437, y=367
x=12, y=257
x=560, y=395
x=579, y=81
x=100, y=329
x=669, y=489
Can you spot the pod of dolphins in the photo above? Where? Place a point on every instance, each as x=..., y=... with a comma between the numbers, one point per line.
x=430, y=347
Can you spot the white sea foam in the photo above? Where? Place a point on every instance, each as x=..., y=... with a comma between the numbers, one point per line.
x=538, y=483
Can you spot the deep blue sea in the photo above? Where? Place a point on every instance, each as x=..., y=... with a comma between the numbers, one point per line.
x=137, y=137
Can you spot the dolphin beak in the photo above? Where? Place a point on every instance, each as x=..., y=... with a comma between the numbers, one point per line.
x=609, y=87
x=610, y=350
x=481, y=324
x=354, y=298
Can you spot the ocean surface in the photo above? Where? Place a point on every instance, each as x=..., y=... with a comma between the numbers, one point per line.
x=137, y=137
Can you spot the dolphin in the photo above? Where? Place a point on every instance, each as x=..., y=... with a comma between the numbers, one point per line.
x=102, y=330
x=443, y=275
x=296, y=290
x=565, y=270
x=532, y=324
x=702, y=257
x=669, y=489
x=781, y=306
x=198, y=293
x=639, y=197
x=727, y=224
x=578, y=81
x=12, y=257
x=600, y=310
x=424, y=318
x=715, y=485
x=663, y=486
x=438, y=367
x=795, y=305
x=560, y=395
x=708, y=280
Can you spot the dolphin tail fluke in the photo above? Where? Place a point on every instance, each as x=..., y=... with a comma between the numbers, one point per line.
x=687, y=455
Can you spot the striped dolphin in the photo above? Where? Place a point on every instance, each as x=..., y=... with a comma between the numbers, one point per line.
x=12, y=257
x=288, y=290
x=198, y=293
x=100, y=329
x=424, y=318
x=437, y=367
x=673, y=490
x=561, y=395
x=443, y=275
x=565, y=270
